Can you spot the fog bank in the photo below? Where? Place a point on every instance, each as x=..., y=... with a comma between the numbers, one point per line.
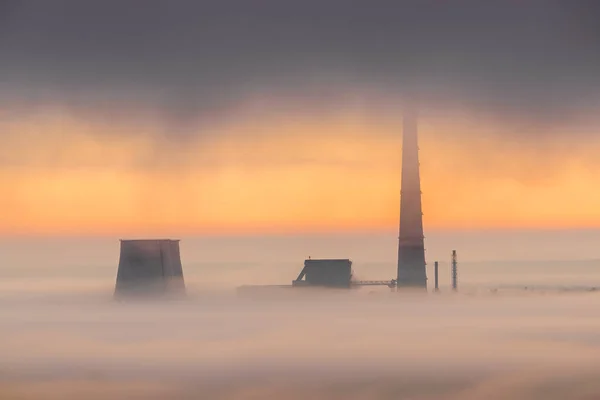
x=301, y=344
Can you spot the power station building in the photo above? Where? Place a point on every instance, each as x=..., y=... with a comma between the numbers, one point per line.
x=149, y=268
x=325, y=272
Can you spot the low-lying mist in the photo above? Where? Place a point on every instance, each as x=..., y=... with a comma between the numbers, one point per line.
x=300, y=344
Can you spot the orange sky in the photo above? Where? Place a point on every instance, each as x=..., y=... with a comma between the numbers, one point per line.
x=285, y=174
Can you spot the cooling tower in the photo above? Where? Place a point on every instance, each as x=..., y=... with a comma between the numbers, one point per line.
x=149, y=268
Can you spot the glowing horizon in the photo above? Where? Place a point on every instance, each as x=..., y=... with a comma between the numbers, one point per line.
x=284, y=175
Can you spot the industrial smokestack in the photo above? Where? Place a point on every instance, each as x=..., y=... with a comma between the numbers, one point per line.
x=437, y=288
x=149, y=268
x=411, y=248
x=454, y=271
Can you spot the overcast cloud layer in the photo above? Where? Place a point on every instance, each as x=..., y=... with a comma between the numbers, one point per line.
x=186, y=59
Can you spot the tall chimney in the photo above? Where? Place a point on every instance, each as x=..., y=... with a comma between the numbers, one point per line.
x=411, y=248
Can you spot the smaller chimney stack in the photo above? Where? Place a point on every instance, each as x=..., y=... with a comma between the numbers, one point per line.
x=454, y=271
x=437, y=288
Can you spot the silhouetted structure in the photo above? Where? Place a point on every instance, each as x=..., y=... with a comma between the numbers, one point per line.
x=454, y=271
x=411, y=248
x=149, y=268
x=437, y=287
x=325, y=273
x=330, y=273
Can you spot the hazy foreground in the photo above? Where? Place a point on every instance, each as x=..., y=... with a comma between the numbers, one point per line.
x=360, y=345
x=62, y=336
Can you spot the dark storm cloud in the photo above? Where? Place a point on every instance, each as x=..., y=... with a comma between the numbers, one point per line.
x=535, y=58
